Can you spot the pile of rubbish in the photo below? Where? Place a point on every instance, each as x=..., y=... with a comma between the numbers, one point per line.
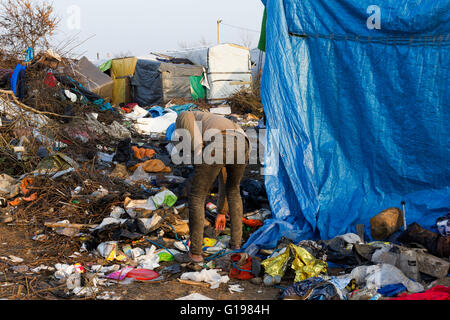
x=93, y=180
x=96, y=180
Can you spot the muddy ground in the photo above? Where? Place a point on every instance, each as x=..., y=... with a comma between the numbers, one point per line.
x=17, y=240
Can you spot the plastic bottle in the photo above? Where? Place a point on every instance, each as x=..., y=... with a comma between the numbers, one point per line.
x=270, y=281
x=277, y=279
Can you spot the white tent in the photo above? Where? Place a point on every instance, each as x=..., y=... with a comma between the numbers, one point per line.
x=230, y=67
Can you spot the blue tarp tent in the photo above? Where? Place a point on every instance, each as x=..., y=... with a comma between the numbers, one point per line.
x=356, y=95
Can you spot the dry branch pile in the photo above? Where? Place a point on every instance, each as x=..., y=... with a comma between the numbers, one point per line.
x=247, y=101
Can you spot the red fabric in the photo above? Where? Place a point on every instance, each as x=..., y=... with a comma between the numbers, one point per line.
x=50, y=80
x=252, y=223
x=239, y=274
x=435, y=293
x=129, y=107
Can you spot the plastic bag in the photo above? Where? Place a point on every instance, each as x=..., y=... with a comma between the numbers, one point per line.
x=120, y=274
x=108, y=250
x=138, y=175
x=209, y=276
x=378, y=276
x=166, y=197
x=150, y=260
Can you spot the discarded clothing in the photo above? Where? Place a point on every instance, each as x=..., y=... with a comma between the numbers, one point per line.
x=435, y=243
x=29, y=55
x=170, y=131
x=435, y=293
x=340, y=251
x=5, y=77
x=85, y=94
x=392, y=290
x=129, y=107
x=18, y=79
x=156, y=111
x=311, y=289
x=152, y=166
x=185, y=107
x=124, y=151
x=50, y=80
x=142, y=152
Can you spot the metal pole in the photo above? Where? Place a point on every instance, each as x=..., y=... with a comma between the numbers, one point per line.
x=404, y=215
x=218, y=31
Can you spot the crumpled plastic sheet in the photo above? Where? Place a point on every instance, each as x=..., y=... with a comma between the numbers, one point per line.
x=304, y=264
x=210, y=276
x=378, y=276
x=314, y=288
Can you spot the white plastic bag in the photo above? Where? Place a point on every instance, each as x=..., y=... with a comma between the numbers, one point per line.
x=194, y=296
x=137, y=113
x=108, y=249
x=150, y=260
x=209, y=276
x=380, y=275
x=138, y=175
x=156, y=125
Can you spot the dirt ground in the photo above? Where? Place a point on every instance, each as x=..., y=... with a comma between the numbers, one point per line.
x=16, y=240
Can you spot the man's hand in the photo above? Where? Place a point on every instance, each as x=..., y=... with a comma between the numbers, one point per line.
x=221, y=222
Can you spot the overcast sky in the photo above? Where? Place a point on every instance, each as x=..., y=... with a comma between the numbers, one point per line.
x=138, y=27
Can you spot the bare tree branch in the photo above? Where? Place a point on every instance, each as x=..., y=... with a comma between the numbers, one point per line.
x=26, y=24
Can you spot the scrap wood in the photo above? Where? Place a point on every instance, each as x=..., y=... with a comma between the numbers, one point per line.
x=70, y=225
x=195, y=283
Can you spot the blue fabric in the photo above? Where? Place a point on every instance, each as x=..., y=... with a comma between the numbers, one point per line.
x=392, y=290
x=15, y=77
x=169, y=132
x=29, y=55
x=156, y=111
x=104, y=106
x=185, y=107
x=269, y=234
x=362, y=114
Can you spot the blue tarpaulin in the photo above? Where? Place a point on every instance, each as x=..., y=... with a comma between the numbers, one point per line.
x=358, y=93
